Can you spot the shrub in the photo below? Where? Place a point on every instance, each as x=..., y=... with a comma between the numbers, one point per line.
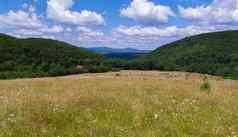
x=118, y=74
x=206, y=86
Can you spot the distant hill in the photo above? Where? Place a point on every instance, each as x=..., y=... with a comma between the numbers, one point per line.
x=212, y=53
x=123, y=56
x=106, y=50
x=36, y=57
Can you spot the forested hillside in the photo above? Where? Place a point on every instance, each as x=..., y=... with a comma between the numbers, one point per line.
x=36, y=57
x=212, y=53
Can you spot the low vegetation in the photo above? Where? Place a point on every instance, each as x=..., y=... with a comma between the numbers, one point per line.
x=206, y=86
x=120, y=104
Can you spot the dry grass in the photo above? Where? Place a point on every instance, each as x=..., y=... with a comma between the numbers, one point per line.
x=120, y=104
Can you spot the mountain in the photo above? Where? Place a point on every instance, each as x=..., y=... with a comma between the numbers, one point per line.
x=212, y=53
x=36, y=57
x=106, y=50
x=123, y=56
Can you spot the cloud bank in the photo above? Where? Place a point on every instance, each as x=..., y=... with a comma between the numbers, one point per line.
x=143, y=24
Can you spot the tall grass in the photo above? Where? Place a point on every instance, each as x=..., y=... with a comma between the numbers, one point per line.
x=136, y=104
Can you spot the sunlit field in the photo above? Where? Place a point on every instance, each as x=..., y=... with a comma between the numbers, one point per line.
x=120, y=104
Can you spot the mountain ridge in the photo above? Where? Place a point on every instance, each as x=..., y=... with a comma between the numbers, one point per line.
x=107, y=50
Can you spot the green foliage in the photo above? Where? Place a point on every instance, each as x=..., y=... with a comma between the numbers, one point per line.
x=33, y=57
x=205, y=87
x=97, y=69
x=212, y=53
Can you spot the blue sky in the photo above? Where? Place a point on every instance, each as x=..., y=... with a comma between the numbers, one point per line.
x=142, y=24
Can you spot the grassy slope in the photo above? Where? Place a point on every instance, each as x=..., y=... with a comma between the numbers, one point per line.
x=212, y=53
x=131, y=104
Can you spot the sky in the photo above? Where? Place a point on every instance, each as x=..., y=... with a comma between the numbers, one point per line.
x=141, y=24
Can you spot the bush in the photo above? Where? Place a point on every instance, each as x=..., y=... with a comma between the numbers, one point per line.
x=118, y=74
x=205, y=87
x=98, y=69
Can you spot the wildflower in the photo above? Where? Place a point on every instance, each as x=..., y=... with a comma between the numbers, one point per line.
x=156, y=116
x=12, y=115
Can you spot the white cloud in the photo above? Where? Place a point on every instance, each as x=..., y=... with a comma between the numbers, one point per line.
x=26, y=24
x=48, y=37
x=218, y=12
x=88, y=37
x=147, y=12
x=68, y=29
x=170, y=31
x=31, y=8
x=20, y=19
x=137, y=36
x=146, y=37
x=54, y=29
x=59, y=11
x=27, y=32
x=146, y=31
x=72, y=26
x=28, y=8
x=88, y=31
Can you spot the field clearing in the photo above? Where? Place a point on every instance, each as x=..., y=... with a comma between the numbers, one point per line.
x=119, y=104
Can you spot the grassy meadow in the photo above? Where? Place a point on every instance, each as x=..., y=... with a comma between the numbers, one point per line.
x=120, y=104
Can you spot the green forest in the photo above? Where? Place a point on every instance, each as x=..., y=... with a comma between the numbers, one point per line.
x=212, y=53
x=35, y=57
